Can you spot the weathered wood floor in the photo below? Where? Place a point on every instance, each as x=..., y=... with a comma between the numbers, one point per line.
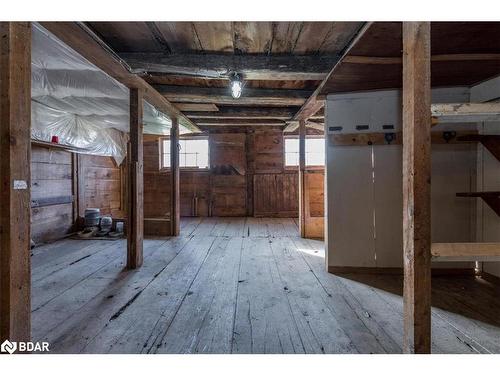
x=240, y=285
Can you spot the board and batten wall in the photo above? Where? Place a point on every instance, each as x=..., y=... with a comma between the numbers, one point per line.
x=488, y=175
x=247, y=177
x=364, y=198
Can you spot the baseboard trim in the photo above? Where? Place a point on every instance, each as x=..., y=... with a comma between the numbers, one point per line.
x=399, y=271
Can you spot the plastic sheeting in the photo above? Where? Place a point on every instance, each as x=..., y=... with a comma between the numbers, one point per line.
x=81, y=105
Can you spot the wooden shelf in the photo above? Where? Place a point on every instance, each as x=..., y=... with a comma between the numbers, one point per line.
x=491, y=198
x=490, y=142
x=466, y=251
x=57, y=146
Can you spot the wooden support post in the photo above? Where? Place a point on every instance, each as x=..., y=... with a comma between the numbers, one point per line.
x=175, y=213
x=417, y=187
x=302, y=167
x=135, y=219
x=15, y=180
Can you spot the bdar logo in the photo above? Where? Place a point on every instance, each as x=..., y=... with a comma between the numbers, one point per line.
x=8, y=347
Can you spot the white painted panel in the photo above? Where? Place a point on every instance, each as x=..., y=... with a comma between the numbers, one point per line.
x=374, y=109
x=388, y=195
x=488, y=178
x=485, y=91
x=489, y=222
x=350, y=207
x=453, y=171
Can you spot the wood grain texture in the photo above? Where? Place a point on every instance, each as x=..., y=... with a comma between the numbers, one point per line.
x=416, y=187
x=302, y=183
x=175, y=213
x=236, y=285
x=135, y=207
x=51, y=176
x=15, y=151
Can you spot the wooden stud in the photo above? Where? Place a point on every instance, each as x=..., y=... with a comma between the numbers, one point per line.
x=302, y=167
x=135, y=215
x=175, y=213
x=416, y=187
x=15, y=179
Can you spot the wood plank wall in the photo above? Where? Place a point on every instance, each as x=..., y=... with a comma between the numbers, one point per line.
x=103, y=181
x=239, y=159
x=51, y=177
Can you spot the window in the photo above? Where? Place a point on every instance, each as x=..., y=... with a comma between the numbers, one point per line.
x=315, y=152
x=193, y=153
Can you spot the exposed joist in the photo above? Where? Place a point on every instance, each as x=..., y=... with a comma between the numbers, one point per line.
x=318, y=124
x=416, y=187
x=233, y=112
x=466, y=251
x=375, y=60
x=239, y=122
x=15, y=180
x=196, y=107
x=217, y=95
x=465, y=112
x=87, y=44
x=252, y=67
x=315, y=102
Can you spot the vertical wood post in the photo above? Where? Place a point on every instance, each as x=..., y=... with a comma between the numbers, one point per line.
x=417, y=187
x=135, y=219
x=175, y=213
x=15, y=180
x=302, y=167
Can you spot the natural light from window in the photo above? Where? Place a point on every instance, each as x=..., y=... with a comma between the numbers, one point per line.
x=193, y=153
x=315, y=152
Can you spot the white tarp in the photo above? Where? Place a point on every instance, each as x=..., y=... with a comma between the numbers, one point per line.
x=81, y=105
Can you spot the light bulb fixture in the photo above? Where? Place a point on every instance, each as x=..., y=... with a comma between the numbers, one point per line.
x=236, y=85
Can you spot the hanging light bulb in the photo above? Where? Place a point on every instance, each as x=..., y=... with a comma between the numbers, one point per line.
x=236, y=85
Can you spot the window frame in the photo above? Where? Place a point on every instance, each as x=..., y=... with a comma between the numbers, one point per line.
x=162, y=147
x=296, y=167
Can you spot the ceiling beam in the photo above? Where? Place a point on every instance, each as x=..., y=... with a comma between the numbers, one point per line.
x=196, y=107
x=217, y=95
x=373, y=60
x=316, y=101
x=239, y=122
x=465, y=112
x=252, y=67
x=260, y=113
x=81, y=39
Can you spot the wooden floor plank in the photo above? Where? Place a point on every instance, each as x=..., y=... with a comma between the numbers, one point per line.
x=318, y=324
x=204, y=322
x=264, y=321
x=240, y=285
x=56, y=283
x=147, y=317
x=366, y=333
x=66, y=304
x=73, y=335
x=255, y=227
